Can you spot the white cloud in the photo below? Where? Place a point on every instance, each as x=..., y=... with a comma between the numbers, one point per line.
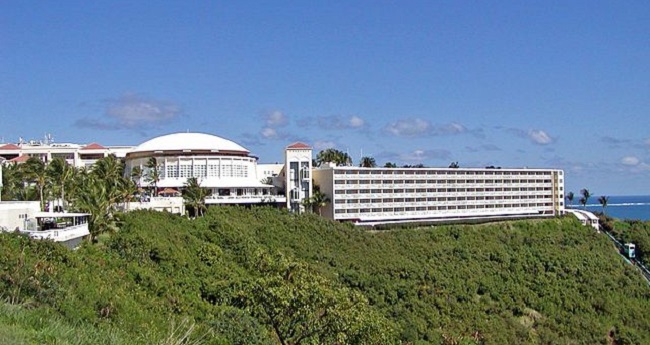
x=540, y=137
x=275, y=118
x=409, y=127
x=452, y=128
x=132, y=111
x=630, y=161
x=356, y=122
x=333, y=122
x=418, y=156
x=324, y=144
x=269, y=133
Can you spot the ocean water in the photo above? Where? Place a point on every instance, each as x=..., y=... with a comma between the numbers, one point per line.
x=623, y=206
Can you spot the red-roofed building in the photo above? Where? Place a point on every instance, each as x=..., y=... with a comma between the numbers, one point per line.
x=299, y=146
x=93, y=146
x=9, y=147
x=46, y=150
x=19, y=159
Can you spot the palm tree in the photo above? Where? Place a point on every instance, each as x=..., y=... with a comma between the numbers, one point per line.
x=570, y=197
x=136, y=175
x=60, y=173
x=99, y=191
x=152, y=175
x=390, y=165
x=603, y=202
x=454, y=165
x=94, y=197
x=195, y=195
x=368, y=162
x=36, y=172
x=319, y=200
x=12, y=181
x=331, y=155
x=585, y=197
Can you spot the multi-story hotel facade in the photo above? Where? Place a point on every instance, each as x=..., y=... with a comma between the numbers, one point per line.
x=356, y=194
x=383, y=195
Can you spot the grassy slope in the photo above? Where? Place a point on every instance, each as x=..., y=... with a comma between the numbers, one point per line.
x=550, y=281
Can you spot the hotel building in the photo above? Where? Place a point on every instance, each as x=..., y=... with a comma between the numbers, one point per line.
x=360, y=195
x=224, y=167
x=78, y=155
x=384, y=195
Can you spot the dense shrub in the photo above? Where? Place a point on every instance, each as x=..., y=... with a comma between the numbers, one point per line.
x=518, y=282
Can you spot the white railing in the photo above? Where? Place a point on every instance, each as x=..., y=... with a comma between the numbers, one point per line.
x=59, y=235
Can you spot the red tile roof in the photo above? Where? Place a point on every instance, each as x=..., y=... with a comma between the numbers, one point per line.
x=19, y=159
x=298, y=145
x=93, y=146
x=9, y=147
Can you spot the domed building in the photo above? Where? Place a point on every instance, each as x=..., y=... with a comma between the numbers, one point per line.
x=224, y=167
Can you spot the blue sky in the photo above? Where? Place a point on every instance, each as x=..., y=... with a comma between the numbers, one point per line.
x=562, y=84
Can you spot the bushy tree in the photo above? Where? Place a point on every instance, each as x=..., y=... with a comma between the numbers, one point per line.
x=302, y=307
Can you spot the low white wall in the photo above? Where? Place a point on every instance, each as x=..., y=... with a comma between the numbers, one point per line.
x=14, y=213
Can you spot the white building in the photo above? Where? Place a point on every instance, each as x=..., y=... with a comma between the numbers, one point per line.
x=296, y=178
x=224, y=167
x=14, y=214
x=383, y=195
x=78, y=155
x=360, y=195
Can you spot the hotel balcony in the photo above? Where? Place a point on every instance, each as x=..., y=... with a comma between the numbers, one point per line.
x=245, y=199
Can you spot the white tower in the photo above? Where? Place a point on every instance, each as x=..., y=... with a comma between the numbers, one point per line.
x=297, y=179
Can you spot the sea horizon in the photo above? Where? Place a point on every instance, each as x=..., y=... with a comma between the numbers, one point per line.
x=619, y=206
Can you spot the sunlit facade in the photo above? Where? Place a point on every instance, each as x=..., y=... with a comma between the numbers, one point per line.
x=222, y=166
x=78, y=155
x=381, y=195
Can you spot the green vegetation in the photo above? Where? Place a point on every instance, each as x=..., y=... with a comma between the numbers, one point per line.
x=629, y=230
x=331, y=155
x=264, y=276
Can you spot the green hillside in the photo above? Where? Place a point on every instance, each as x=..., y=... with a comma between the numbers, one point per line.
x=242, y=276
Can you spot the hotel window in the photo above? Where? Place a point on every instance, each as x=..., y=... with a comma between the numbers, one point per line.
x=226, y=170
x=199, y=171
x=172, y=171
x=185, y=170
x=213, y=170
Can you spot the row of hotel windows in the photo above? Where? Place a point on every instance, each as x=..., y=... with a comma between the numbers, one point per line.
x=440, y=190
x=439, y=208
x=441, y=199
x=442, y=172
x=393, y=182
x=202, y=171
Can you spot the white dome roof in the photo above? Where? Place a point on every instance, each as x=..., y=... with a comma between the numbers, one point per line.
x=189, y=141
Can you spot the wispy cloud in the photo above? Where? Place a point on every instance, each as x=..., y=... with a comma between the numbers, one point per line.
x=320, y=145
x=536, y=136
x=333, y=122
x=275, y=118
x=417, y=127
x=132, y=111
x=416, y=156
x=633, y=164
x=484, y=147
x=613, y=141
x=630, y=160
x=409, y=127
